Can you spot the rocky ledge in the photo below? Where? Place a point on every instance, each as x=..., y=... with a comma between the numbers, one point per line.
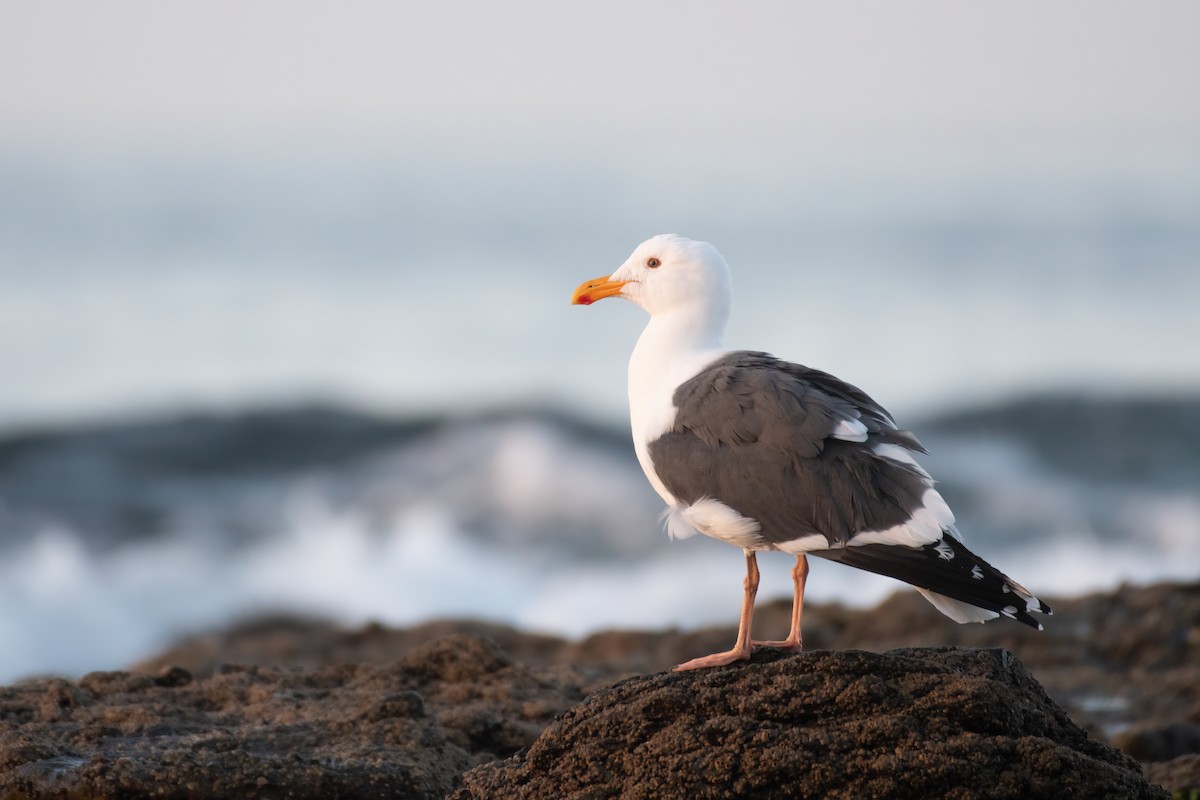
x=920, y=723
x=406, y=730
x=488, y=711
x=945, y=722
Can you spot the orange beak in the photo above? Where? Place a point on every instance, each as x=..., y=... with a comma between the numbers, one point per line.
x=596, y=289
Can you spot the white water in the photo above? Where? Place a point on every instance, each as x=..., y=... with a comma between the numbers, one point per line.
x=575, y=547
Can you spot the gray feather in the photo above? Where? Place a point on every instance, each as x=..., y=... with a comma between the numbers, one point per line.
x=756, y=433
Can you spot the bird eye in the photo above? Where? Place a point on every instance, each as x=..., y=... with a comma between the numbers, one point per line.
x=653, y=263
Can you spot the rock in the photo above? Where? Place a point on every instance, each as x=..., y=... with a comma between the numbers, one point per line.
x=406, y=729
x=1181, y=775
x=1128, y=658
x=285, y=640
x=452, y=694
x=942, y=722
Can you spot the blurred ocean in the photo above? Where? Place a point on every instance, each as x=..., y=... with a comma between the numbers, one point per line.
x=357, y=389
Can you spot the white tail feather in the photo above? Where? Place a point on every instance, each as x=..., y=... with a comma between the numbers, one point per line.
x=956, y=609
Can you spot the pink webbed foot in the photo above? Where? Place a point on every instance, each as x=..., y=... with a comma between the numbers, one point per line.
x=741, y=649
x=715, y=660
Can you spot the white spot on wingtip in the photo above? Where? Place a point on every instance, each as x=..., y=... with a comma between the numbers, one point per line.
x=944, y=550
x=976, y=573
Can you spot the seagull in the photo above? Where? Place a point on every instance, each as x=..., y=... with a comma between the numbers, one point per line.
x=769, y=455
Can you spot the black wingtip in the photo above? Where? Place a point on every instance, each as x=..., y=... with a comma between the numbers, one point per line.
x=948, y=568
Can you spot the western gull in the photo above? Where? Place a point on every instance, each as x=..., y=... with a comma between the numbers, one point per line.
x=769, y=455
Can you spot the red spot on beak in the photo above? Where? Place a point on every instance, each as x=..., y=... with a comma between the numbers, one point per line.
x=589, y=292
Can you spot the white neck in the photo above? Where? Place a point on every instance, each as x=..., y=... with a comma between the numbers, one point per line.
x=674, y=347
x=668, y=339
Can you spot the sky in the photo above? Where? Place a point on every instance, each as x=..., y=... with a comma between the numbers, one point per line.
x=721, y=81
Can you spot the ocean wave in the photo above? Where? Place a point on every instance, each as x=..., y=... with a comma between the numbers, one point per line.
x=117, y=539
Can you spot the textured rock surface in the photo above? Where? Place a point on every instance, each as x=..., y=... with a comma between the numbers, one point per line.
x=1124, y=664
x=907, y=723
x=1122, y=660
x=407, y=729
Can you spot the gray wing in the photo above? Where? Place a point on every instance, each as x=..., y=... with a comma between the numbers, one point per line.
x=757, y=434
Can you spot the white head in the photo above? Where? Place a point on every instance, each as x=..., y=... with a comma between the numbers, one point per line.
x=668, y=274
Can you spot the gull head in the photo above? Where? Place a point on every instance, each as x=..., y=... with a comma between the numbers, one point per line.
x=667, y=274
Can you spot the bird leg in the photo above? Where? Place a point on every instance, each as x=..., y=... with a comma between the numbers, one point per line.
x=794, y=640
x=741, y=648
